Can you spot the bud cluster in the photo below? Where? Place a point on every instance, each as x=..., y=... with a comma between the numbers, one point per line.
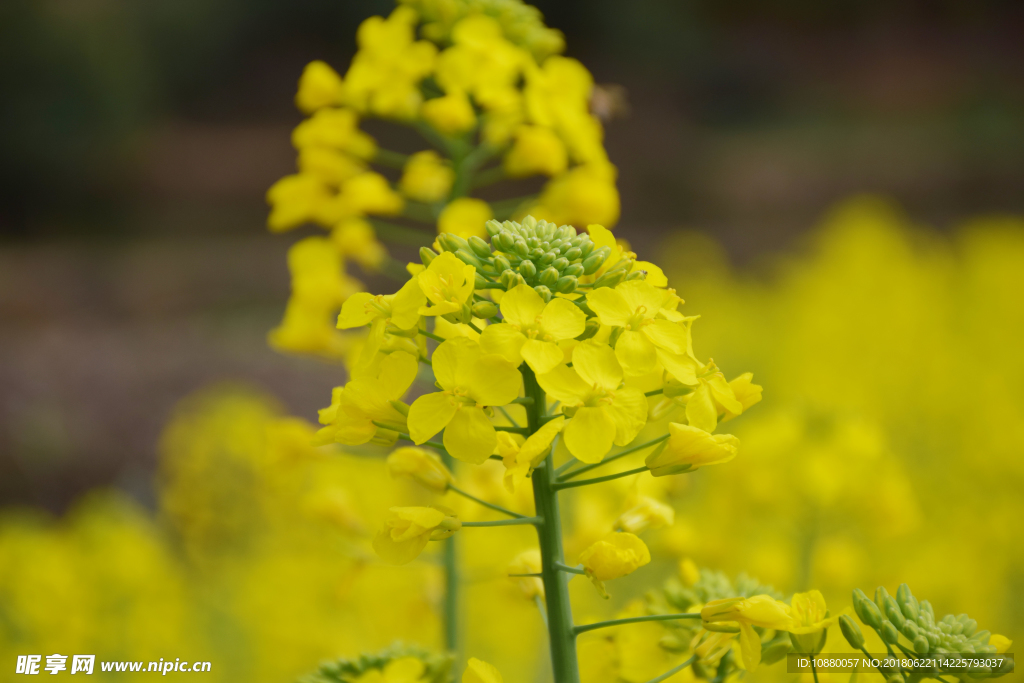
x=915, y=620
x=544, y=256
x=436, y=667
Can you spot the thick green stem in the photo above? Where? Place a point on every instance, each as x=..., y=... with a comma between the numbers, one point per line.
x=451, y=586
x=561, y=634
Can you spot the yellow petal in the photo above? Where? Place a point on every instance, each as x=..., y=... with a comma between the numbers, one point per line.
x=355, y=312
x=700, y=409
x=522, y=305
x=404, y=670
x=429, y=414
x=406, y=304
x=635, y=353
x=536, y=447
x=452, y=359
x=681, y=366
x=667, y=335
x=397, y=372
x=493, y=381
x=610, y=306
x=589, y=434
x=478, y=671
x=750, y=647
x=628, y=412
x=470, y=436
x=399, y=552
x=596, y=364
x=563, y=319
x=504, y=340
x=640, y=294
x=542, y=356
x=564, y=384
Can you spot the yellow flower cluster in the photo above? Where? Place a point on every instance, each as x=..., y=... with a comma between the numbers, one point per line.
x=487, y=90
x=603, y=350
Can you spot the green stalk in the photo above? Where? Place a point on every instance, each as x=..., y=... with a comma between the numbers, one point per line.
x=561, y=634
x=451, y=585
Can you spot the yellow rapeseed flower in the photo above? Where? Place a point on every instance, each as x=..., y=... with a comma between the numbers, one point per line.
x=617, y=555
x=811, y=621
x=356, y=239
x=448, y=284
x=450, y=115
x=421, y=465
x=762, y=611
x=408, y=529
x=465, y=217
x=336, y=129
x=528, y=562
x=469, y=382
x=689, y=448
x=427, y=177
x=536, y=149
x=521, y=458
x=478, y=671
x=531, y=329
x=644, y=512
x=601, y=410
x=319, y=86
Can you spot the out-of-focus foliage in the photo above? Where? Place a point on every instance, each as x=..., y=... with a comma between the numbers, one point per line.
x=886, y=450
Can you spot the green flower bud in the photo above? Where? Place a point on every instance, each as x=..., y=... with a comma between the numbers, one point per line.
x=889, y=633
x=505, y=241
x=970, y=626
x=593, y=325
x=521, y=248
x=479, y=247
x=529, y=223
x=565, y=232
x=493, y=227
x=610, y=279
x=910, y=629
x=454, y=242
x=586, y=247
x=926, y=608
x=560, y=263
x=775, y=650
x=880, y=595
x=576, y=270
x=545, y=259
x=427, y=255
x=480, y=281
x=573, y=254
x=468, y=258
x=528, y=270
x=501, y=264
x=866, y=610
x=892, y=612
x=593, y=262
x=851, y=632
x=484, y=309
x=548, y=277
x=544, y=292
x=566, y=285
x=508, y=279
x=921, y=645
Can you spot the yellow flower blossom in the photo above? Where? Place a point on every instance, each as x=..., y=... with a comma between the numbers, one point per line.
x=617, y=555
x=745, y=391
x=469, y=381
x=520, y=459
x=762, y=611
x=601, y=411
x=465, y=217
x=536, y=149
x=527, y=562
x=811, y=621
x=1001, y=643
x=371, y=396
x=369, y=193
x=580, y=196
x=356, y=239
x=400, y=310
x=448, y=284
x=644, y=512
x=427, y=177
x=297, y=199
x=336, y=129
x=319, y=86
x=450, y=115
x=689, y=448
x=532, y=329
x=408, y=529
x=385, y=74
x=478, y=671
x=331, y=166
x=422, y=465
x=481, y=62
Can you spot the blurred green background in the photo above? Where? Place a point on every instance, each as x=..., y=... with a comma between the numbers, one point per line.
x=137, y=140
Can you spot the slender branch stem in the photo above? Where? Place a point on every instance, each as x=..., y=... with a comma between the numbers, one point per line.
x=509, y=417
x=519, y=521
x=401, y=234
x=524, y=400
x=520, y=576
x=385, y=157
x=492, y=506
x=880, y=669
x=405, y=437
x=613, y=458
x=488, y=176
x=673, y=671
x=515, y=430
x=539, y=601
x=633, y=620
x=431, y=335
x=814, y=670
x=451, y=585
x=562, y=567
x=655, y=392
x=566, y=465
x=558, y=486
x=473, y=327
